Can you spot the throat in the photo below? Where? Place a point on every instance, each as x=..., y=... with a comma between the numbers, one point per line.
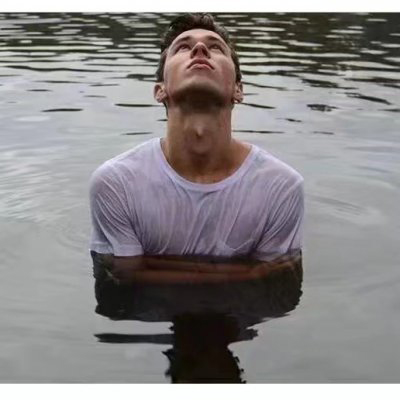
x=197, y=134
x=203, y=162
x=199, y=146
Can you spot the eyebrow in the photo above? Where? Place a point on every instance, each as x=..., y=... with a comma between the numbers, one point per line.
x=208, y=37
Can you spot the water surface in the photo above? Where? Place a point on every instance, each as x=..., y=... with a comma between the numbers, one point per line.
x=321, y=93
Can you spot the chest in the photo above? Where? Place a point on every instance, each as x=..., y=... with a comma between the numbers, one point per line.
x=177, y=222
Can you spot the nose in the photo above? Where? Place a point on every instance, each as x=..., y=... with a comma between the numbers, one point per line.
x=200, y=49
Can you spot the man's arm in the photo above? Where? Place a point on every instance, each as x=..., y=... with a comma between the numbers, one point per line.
x=187, y=269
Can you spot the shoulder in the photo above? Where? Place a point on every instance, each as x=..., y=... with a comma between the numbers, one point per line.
x=123, y=166
x=275, y=172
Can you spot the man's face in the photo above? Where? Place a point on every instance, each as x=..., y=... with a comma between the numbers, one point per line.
x=198, y=62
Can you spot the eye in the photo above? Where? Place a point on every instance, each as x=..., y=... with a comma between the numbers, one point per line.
x=183, y=46
x=216, y=46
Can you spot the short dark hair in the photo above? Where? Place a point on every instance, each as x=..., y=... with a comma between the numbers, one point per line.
x=187, y=22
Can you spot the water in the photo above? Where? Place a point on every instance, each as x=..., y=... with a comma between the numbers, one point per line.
x=321, y=93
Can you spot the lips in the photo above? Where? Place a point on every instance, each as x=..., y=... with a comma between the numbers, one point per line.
x=200, y=63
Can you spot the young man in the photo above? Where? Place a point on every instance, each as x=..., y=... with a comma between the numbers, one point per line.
x=162, y=209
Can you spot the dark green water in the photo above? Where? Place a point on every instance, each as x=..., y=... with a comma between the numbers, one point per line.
x=321, y=93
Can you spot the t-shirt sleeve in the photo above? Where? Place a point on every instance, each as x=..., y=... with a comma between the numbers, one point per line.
x=283, y=233
x=113, y=231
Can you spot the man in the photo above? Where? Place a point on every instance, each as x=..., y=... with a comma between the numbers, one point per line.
x=162, y=209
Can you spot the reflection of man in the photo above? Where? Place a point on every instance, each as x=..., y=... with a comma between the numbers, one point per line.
x=159, y=208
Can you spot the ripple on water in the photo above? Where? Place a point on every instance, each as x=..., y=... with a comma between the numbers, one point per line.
x=28, y=182
x=258, y=105
x=256, y=131
x=136, y=133
x=321, y=107
x=136, y=105
x=72, y=230
x=62, y=110
x=351, y=212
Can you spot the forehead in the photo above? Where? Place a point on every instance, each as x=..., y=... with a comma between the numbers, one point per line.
x=198, y=34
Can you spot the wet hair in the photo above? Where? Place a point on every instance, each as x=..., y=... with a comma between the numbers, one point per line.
x=187, y=22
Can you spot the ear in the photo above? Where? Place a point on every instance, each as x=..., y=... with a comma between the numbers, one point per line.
x=159, y=92
x=238, y=95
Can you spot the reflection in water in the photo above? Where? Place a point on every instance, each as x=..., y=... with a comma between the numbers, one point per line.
x=206, y=318
x=200, y=351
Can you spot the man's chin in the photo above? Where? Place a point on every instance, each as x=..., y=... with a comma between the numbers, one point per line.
x=200, y=94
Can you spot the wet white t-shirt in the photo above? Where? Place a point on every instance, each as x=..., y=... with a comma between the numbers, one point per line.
x=141, y=205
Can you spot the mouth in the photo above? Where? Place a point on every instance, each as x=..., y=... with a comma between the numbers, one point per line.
x=200, y=64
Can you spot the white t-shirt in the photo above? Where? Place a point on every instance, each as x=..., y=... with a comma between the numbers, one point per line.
x=141, y=205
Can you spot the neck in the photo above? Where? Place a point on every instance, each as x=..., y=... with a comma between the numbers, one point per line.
x=199, y=145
